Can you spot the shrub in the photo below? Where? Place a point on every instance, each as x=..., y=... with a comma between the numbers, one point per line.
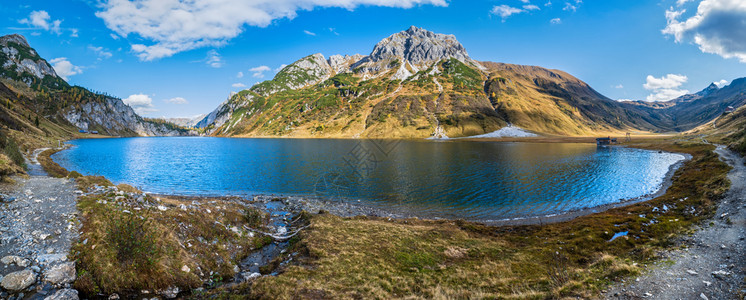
x=255, y=218
x=10, y=148
x=133, y=239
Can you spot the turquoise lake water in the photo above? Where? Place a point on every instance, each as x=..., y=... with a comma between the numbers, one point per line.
x=462, y=179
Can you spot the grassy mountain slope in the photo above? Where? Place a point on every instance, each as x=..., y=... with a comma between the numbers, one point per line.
x=552, y=101
x=460, y=98
x=416, y=84
x=728, y=129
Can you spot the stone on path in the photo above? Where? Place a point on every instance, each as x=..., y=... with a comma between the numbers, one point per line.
x=17, y=281
x=64, y=294
x=61, y=274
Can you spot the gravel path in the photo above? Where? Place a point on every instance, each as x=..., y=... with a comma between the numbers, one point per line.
x=710, y=264
x=37, y=227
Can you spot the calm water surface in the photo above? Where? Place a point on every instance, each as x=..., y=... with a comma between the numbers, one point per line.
x=473, y=180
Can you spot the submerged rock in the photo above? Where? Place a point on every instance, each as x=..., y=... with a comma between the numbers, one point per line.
x=17, y=281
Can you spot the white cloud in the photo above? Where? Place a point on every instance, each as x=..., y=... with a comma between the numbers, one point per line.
x=555, y=21
x=101, y=52
x=258, y=72
x=525, y=1
x=309, y=33
x=141, y=103
x=73, y=32
x=570, y=7
x=505, y=11
x=718, y=27
x=334, y=31
x=531, y=7
x=174, y=26
x=666, y=82
x=721, y=83
x=238, y=85
x=40, y=19
x=682, y=2
x=239, y=75
x=666, y=87
x=177, y=100
x=619, y=86
x=64, y=68
x=213, y=59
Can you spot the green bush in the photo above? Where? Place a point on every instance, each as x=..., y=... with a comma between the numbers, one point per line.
x=133, y=239
x=10, y=148
x=255, y=218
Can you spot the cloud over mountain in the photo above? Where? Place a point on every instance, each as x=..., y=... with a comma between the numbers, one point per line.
x=175, y=26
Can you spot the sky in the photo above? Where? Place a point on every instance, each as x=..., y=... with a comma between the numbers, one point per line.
x=179, y=58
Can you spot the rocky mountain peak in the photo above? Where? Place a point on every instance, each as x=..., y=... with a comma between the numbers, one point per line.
x=708, y=90
x=16, y=38
x=21, y=62
x=418, y=46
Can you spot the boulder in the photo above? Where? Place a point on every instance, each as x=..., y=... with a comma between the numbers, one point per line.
x=61, y=274
x=64, y=294
x=18, y=281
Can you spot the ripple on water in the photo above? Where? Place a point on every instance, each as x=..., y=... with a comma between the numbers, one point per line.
x=473, y=180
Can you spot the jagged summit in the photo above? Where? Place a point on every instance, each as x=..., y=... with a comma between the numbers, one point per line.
x=411, y=51
x=419, y=46
x=709, y=89
x=20, y=62
x=16, y=38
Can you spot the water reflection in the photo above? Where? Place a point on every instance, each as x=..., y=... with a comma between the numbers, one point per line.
x=447, y=179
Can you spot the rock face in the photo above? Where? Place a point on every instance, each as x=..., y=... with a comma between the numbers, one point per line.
x=61, y=274
x=413, y=50
x=22, y=62
x=117, y=118
x=18, y=281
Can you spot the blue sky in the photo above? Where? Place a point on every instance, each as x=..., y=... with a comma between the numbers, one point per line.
x=170, y=59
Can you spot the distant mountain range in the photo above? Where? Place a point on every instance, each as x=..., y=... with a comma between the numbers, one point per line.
x=417, y=84
x=413, y=84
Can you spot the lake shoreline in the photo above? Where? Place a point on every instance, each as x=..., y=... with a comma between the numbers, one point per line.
x=362, y=236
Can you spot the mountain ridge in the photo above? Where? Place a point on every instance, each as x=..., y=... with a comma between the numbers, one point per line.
x=426, y=81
